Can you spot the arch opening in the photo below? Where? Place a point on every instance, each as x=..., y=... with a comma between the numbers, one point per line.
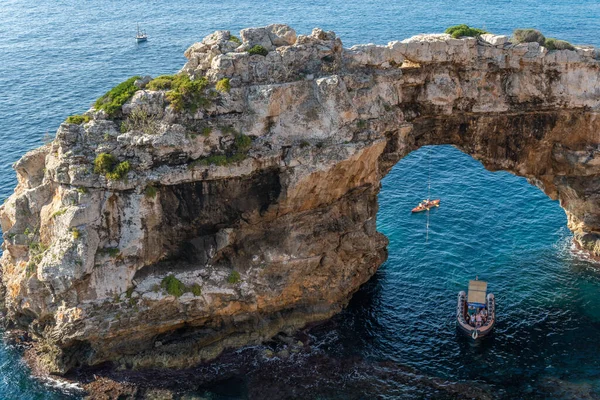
x=543, y=289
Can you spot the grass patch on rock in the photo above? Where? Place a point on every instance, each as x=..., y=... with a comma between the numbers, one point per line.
x=108, y=165
x=77, y=119
x=535, y=36
x=195, y=289
x=111, y=251
x=528, y=36
x=223, y=85
x=464, y=30
x=258, y=49
x=150, y=191
x=58, y=213
x=556, y=44
x=234, y=277
x=183, y=93
x=238, y=152
x=36, y=253
x=140, y=121
x=112, y=101
x=175, y=287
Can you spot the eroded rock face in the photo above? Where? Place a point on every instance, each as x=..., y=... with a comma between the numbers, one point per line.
x=282, y=233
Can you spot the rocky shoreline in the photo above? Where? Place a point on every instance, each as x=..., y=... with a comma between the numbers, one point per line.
x=190, y=214
x=308, y=372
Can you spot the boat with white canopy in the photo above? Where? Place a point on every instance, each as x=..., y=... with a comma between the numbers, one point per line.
x=476, y=311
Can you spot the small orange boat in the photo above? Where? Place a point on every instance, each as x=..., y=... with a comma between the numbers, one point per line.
x=426, y=205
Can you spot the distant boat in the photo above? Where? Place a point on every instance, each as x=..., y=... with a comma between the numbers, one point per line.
x=476, y=311
x=141, y=36
x=426, y=205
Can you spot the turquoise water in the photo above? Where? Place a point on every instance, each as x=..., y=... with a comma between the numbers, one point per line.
x=57, y=57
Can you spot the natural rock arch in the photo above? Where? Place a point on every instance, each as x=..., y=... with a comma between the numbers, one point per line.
x=255, y=213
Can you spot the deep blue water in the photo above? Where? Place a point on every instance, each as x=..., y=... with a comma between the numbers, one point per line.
x=57, y=57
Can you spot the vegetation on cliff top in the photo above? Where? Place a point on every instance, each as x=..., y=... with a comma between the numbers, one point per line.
x=528, y=36
x=183, y=93
x=77, y=119
x=464, y=30
x=535, y=36
x=140, y=121
x=108, y=165
x=113, y=100
x=556, y=44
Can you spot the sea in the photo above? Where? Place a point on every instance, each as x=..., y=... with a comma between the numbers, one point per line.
x=397, y=338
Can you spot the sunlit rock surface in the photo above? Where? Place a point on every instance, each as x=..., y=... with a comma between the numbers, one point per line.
x=283, y=234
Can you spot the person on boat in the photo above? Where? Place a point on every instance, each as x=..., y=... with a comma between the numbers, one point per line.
x=478, y=320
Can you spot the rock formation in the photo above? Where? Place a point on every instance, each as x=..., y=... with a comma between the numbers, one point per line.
x=222, y=217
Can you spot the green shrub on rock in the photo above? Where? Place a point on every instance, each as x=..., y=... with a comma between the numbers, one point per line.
x=535, y=36
x=242, y=143
x=235, y=39
x=234, y=277
x=120, y=171
x=238, y=152
x=464, y=30
x=104, y=163
x=528, y=36
x=556, y=44
x=113, y=100
x=184, y=93
x=107, y=164
x=258, y=49
x=162, y=82
x=173, y=286
x=223, y=85
x=196, y=289
x=77, y=119
x=150, y=191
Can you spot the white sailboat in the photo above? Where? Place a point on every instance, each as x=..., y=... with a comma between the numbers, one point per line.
x=140, y=36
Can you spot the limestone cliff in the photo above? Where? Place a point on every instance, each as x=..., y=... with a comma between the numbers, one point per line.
x=221, y=217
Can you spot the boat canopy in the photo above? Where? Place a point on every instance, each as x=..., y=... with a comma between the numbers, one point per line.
x=477, y=293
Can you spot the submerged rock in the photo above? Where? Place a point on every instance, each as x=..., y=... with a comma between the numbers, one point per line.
x=188, y=221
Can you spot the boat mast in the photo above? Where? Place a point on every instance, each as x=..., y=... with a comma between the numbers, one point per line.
x=428, y=174
x=428, y=192
x=427, y=228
